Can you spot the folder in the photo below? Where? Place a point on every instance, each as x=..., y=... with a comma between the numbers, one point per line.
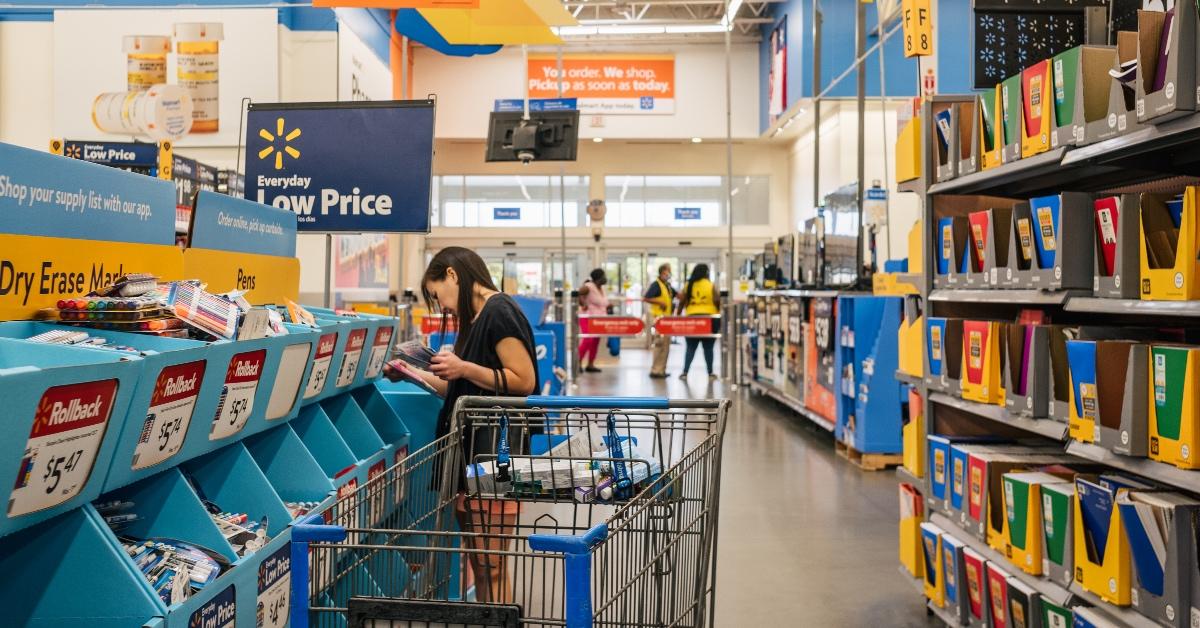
x=1108, y=216
x=1034, y=83
x=1022, y=604
x=1164, y=50
x=1025, y=245
x=1174, y=405
x=975, y=572
x=942, y=118
x=912, y=513
x=931, y=547
x=1057, y=510
x=1046, y=214
x=1102, y=557
x=935, y=345
x=1161, y=528
x=981, y=352
x=998, y=595
x=1055, y=616
x=1023, y=506
x=952, y=549
x=1085, y=413
x=945, y=245
x=980, y=231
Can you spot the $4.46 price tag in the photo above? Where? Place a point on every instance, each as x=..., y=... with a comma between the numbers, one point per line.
x=170, y=413
x=351, y=357
x=237, y=398
x=383, y=339
x=68, y=427
x=274, y=589
x=319, y=374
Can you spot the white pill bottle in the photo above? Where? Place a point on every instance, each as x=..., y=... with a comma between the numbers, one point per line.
x=197, y=69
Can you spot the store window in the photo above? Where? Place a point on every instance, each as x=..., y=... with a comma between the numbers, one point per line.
x=684, y=200
x=508, y=200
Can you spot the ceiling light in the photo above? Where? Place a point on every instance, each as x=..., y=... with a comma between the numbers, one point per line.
x=618, y=29
x=696, y=28
x=731, y=13
x=597, y=139
x=696, y=140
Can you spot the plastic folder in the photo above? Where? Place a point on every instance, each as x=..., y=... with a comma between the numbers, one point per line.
x=950, y=549
x=1164, y=50
x=1175, y=207
x=1081, y=356
x=1170, y=369
x=980, y=229
x=1065, y=84
x=1027, y=351
x=1032, y=83
x=1045, y=215
x=998, y=594
x=1108, y=217
x=1056, y=519
x=936, y=345
x=943, y=128
x=975, y=569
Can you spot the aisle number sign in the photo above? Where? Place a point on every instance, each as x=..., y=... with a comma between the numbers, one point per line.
x=918, y=28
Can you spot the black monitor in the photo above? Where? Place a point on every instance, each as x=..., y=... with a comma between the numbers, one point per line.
x=545, y=136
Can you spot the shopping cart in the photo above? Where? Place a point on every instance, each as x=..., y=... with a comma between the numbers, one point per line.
x=570, y=511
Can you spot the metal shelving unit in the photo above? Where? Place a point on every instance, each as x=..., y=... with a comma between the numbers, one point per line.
x=1135, y=308
x=1025, y=297
x=1188, y=480
x=799, y=408
x=1053, y=430
x=1122, y=616
x=911, y=380
x=906, y=476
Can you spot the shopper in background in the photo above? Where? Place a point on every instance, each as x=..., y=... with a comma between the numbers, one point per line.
x=493, y=354
x=592, y=302
x=700, y=298
x=661, y=297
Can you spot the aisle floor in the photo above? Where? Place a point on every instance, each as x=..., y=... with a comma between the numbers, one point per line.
x=806, y=539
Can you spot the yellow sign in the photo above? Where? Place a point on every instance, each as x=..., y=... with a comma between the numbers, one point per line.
x=918, y=28
x=37, y=272
x=278, y=137
x=267, y=279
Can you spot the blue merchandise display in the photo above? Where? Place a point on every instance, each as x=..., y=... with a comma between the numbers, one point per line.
x=870, y=397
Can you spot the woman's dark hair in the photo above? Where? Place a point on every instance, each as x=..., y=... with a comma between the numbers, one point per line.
x=699, y=271
x=472, y=271
x=598, y=276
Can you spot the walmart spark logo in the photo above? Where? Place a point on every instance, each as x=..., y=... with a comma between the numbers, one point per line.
x=279, y=138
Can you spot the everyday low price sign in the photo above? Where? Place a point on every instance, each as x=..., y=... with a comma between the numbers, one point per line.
x=343, y=167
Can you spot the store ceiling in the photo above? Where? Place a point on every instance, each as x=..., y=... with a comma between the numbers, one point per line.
x=664, y=20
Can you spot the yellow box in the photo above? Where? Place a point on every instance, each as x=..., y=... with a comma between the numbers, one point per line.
x=1169, y=273
x=913, y=435
x=912, y=346
x=1037, y=103
x=916, y=248
x=934, y=571
x=912, y=558
x=908, y=151
x=1174, y=405
x=1109, y=577
x=981, y=362
x=991, y=138
x=1023, y=518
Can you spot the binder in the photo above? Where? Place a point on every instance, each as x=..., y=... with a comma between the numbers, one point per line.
x=1108, y=218
x=997, y=580
x=1045, y=237
x=975, y=570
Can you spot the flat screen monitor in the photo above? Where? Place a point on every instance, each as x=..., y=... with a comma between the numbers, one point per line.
x=545, y=136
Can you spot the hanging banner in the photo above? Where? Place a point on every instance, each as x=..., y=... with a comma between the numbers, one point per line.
x=343, y=167
x=607, y=84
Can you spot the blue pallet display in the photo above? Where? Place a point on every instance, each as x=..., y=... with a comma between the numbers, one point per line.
x=44, y=391
x=870, y=413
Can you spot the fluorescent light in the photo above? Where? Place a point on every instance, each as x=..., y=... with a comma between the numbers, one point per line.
x=731, y=13
x=696, y=28
x=637, y=29
x=575, y=31
x=617, y=29
x=597, y=139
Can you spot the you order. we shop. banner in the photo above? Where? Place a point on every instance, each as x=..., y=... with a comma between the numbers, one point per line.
x=607, y=84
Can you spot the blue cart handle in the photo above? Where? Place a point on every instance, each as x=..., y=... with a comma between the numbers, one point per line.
x=305, y=531
x=599, y=403
x=577, y=572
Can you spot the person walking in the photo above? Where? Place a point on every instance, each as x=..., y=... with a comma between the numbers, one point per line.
x=700, y=298
x=592, y=302
x=661, y=297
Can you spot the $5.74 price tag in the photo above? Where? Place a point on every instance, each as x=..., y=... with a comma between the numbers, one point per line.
x=274, y=589
x=237, y=398
x=351, y=357
x=918, y=28
x=319, y=374
x=170, y=413
x=68, y=427
x=383, y=339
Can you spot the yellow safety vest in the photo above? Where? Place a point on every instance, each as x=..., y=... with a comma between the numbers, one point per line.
x=700, y=298
x=662, y=305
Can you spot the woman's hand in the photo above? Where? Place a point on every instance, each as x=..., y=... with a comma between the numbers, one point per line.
x=449, y=366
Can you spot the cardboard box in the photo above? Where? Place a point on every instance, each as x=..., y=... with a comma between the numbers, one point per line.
x=976, y=582
x=1170, y=269
x=943, y=354
x=953, y=252
x=1166, y=81
x=1011, y=118
x=912, y=514
x=1037, y=108
x=1058, y=527
x=1060, y=374
x=911, y=338
x=967, y=149
x=1089, y=105
x=1063, y=223
x=998, y=595
x=1024, y=605
x=908, y=151
x=990, y=233
x=1161, y=531
x=1022, y=253
x=1023, y=512
x=913, y=434
x=1027, y=366
x=989, y=129
x=952, y=570
x=1174, y=405
x=985, y=511
x=1116, y=266
x=931, y=545
x=1102, y=558
x=981, y=362
x=1108, y=394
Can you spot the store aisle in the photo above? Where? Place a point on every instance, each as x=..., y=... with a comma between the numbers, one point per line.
x=806, y=539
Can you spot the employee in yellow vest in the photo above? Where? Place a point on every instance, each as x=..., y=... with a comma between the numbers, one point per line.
x=661, y=297
x=699, y=298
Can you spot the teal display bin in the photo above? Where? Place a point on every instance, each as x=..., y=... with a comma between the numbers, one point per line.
x=331, y=342
x=296, y=352
x=870, y=404
x=290, y=467
x=44, y=390
x=388, y=423
x=373, y=455
x=350, y=368
x=417, y=407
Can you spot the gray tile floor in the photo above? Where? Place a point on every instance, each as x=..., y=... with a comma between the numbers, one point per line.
x=806, y=539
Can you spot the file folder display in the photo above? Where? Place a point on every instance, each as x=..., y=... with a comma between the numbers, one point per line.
x=981, y=355
x=952, y=572
x=1058, y=511
x=1168, y=248
x=1102, y=559
x=1161, y=532
x=989, y=129
x=1108, y=394
x=1023, y=511
x=913, y=434
x=1036, y=109
x=931, y=545
x=1023, y=603
x=1174, y=406
x=1166, y=57
x=1045, y=238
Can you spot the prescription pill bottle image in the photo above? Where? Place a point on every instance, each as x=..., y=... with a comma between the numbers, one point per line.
x=163, y=112
x=145, y=61
x=197, y=62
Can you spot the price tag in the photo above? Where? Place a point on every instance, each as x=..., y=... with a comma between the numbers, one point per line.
x=351, y=357
x=401, y=480
x=68, y=427
x=274, y=589
x=918, y=28
x=320, y=368
x=377, y=491
x=170, y=413
x=237, y=397
x=347, y=515
x=383, y=339
x=219, y=612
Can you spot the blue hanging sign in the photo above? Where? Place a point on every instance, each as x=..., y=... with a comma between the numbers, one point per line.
x=535, y=104
x=506, y=213
x=343, y=167
x=225, y=223
x=48, y=195
x=687, y=213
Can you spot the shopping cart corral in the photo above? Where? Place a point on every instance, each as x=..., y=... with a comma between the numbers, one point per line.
x=570, y=511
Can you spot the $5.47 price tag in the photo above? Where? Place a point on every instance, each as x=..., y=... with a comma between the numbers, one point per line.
x=68, y=427
x=351, y=357
x=237, y=398
x=918, y=28
x=170, y=413
x=319, y=374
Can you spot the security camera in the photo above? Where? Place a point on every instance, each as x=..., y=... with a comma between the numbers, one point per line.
x=526, y=156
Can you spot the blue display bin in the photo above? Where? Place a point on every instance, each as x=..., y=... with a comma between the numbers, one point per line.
x=869, y=404
x=417, y=407
x=350, y=368
x=44, y=390
x=290, y=467
x=374, y=456
x=331, y=342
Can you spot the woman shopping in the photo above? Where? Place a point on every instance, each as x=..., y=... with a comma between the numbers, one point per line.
x=493, y=354
x=592, y=302
x=699, y=298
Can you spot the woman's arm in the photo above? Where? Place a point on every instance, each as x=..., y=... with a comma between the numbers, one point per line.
x=517, y=367
x=439, y=384
x=583, y=292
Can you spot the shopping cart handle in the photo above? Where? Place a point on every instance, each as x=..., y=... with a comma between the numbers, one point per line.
x=569, y=543
x=311, y=529
x=599, y=403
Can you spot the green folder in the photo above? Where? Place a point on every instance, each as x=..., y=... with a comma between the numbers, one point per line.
x=987, y=103
x=1169, y=366
x=1056, y=521
x=1055, y=616
x=1016, y=506
x=1065, y=68
x=1010, y=96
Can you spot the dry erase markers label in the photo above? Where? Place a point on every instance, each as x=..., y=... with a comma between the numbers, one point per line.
x=320, y=368
x=383, y=338
x=1108, y=231
x=377, y=491
x=237, y=398
x=170, y=413
x=288, y=378
x=219, y=612
x=1046, y=227
x=351, y=357
x=274, y=589
x=68, y=427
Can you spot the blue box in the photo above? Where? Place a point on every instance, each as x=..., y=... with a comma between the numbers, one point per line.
x=44, y=390
x=365, y=351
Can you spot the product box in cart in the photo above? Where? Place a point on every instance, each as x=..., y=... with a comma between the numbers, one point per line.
x=1161, y=528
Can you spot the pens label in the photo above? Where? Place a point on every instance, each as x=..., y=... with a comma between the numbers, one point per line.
x=170, y=413
x=68, y=428
x=320, y=368
x=1046, y=228
x=383, y=338
x=274, y=589
x=237, y=398
x=219, y=612
x=351, y=357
